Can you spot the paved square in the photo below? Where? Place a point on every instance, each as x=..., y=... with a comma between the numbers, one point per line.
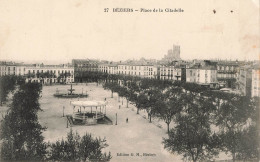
x=138, y=136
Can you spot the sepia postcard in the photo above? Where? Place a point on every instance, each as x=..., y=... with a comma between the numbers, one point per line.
x=129, y=80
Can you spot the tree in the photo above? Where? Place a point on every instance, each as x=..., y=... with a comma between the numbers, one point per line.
x=233, y=117
x=169, y=104
x=7, y=85
x=195, y=142
x=112, y=86
x=20, y=130
x=76, y=148
x=122, y=92
x=140, y=101
x=192, y=135
x=248, y=144
x=131, y=89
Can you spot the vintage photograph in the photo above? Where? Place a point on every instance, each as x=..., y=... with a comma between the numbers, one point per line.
x=130, y=80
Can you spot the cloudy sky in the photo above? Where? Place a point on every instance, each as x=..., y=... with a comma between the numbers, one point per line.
x=55, y=30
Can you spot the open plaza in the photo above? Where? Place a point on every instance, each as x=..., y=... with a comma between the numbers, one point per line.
x=130, y=136
x=126, y=140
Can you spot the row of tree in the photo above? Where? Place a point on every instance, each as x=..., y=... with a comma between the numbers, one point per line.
x=62, y=77
x=21, y=133
x=205, y=121
x=7, y=85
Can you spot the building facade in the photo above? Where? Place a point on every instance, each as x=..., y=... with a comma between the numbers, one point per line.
x=45, y=74
x=83, y=67
x=170, y=72
x=227, y=73
x=143, y=71
x=245, y=80
x=255, y=82
x=7, y=68
x=201, y=75
x=108, y=68
x=48, y=74
x=204, y=73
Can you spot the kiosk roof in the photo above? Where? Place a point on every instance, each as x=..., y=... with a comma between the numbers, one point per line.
x=88, y=103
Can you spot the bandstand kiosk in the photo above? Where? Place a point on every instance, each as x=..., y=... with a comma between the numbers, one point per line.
x=88, y=112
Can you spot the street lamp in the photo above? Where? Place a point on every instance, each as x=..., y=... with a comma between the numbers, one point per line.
x=149, y=110
x=63, y=110
x=116, y=118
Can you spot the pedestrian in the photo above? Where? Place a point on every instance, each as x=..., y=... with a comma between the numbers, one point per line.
x=126, y=120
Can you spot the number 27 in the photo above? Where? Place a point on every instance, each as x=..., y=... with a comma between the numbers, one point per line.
x=106, y=9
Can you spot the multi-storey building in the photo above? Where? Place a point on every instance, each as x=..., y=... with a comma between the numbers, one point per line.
x=204, y=73
x=7, y=68
x=201, y=75
x=245, y=80
x=12, y=68
x=103, y=68
x=144, y=71
x=255, y=81
x=48, y=74
x=227, y=73
x=112, y=69
x=82, y=67
x=108, y=68
x=45, y=74
x=21, y=69
x=170, y=72
x=2, y=68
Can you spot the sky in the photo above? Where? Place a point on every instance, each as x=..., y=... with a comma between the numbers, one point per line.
x=58, y=31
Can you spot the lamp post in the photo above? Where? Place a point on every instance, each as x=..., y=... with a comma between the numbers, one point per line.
x=63, y=110
x=149, y=114
x=116, y=118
